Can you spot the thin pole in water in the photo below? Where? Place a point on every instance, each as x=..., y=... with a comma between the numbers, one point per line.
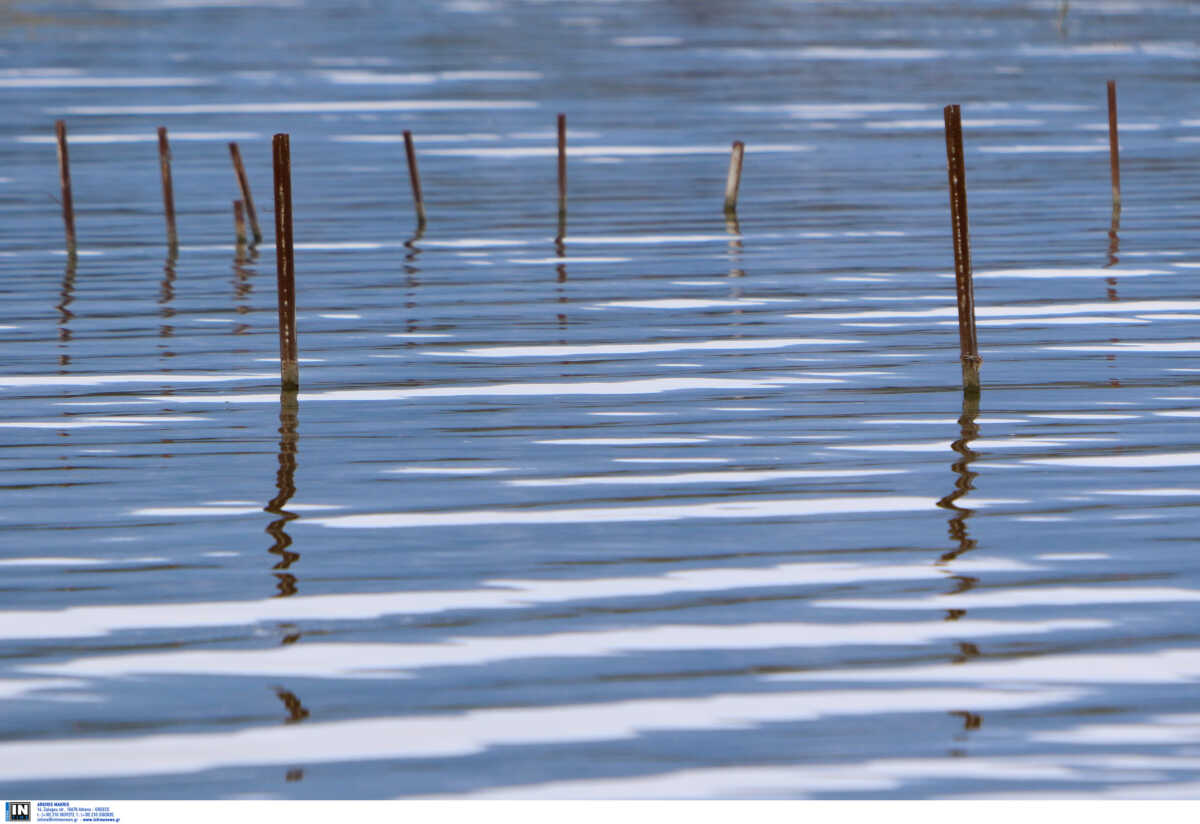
x=956, y=172
x=64, y=179
x=244, y=184
x=239, y=222
x=415, y=178
x=562, y=171
x=285, y=267
x=734, y=179
x=1114, y=158
x=164, y=165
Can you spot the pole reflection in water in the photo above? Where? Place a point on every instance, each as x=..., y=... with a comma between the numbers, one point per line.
x=244, y=258
x=734, y=227
x=285, y=483
x=964, y=482
x=1114, y=243
x=964, y=478
x=297, y=712
x=411, y=283
x=560, y=250
x=166, y=294
x=66, y=296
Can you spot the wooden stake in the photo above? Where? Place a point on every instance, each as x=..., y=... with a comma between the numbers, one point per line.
x=415, y=178
x=64, y=179
x=562, y=168
x=285, y=268
x=1114, y=158
x=164, y=165
x=239, y=222
x=956, y=172
x=734, y=179
x=244, y=185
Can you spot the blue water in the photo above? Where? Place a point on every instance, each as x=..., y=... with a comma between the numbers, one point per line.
x=673, y=507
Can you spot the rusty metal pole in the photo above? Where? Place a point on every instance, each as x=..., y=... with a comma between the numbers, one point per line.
x=244, y=184
x=562, y=174
x=415, y=178
x=1114, y=157
x=734, y=179
x=64, y=179
x=285, y=268
x=956, y=171
x=164, y=165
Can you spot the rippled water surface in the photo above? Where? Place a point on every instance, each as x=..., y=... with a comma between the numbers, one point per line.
x=674, y=506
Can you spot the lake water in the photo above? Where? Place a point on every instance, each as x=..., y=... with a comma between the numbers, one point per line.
x=675, y=507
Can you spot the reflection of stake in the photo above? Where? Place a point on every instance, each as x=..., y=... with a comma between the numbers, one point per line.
x=734, y=179
x=1114, y=241
x=285, y=485
x=296, y=710
x=956, y=170
x=64, y=179
x=244, y=185
x=164, y=167
x=285, y=265
x=964, y=480
x=971, y=721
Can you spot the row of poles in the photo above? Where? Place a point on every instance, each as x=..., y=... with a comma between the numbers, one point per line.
x=243, y=210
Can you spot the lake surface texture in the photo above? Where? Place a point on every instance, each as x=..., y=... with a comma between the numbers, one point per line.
x=671, y=506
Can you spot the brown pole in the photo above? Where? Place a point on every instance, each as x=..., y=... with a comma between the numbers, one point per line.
x=164, y=165
x=64, y=179
x=734, y=179
x=1114, y=158
x=956, y=172
x=415, y=177
x=239, y=222
x=244, y=184
x=562, y=167
x=285, y=268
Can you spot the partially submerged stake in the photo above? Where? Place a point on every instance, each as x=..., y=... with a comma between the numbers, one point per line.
x=1114, y=158
x=956, y=172
x=285, y=269
x=164, y=165
x=415, y=177
x=244, y=185
x=239, y=222
x=64, y=179
x=734, y=179
x=562, y=169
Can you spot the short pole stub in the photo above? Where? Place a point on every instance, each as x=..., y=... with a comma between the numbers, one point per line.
x=243, y=182
x=415, y=178
x=285, y=268
x=168, y=190
x=64, y=179
x=733, y=180
x=964, y=286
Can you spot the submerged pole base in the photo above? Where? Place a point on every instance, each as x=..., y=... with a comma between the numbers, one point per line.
x=289, y=376
x=970, y=374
